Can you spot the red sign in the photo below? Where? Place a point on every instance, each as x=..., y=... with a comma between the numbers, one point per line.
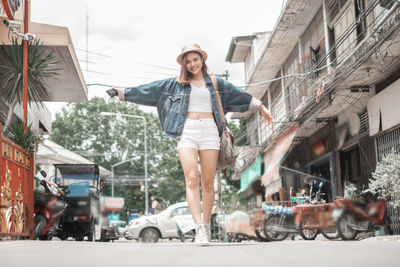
x=112, y=203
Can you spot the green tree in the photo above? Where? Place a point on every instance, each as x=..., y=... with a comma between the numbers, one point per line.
x=103, y=139
x=238, y=128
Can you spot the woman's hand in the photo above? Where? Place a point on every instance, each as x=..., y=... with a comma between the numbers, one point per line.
x=266, y=114
x=112, y=92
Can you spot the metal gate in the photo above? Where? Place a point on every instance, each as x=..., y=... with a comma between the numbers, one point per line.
x=386, y=143
x=16, y=190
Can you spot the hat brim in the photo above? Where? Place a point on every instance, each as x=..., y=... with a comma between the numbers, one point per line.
x=179, y=59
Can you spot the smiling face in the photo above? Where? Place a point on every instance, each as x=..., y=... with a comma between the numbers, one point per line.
x=194, y=63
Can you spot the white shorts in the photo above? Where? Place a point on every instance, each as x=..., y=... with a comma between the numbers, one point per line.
x=200, y=134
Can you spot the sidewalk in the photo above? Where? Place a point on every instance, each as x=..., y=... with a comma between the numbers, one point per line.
x=382, y=238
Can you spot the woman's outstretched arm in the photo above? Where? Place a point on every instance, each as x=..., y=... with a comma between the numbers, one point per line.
x=146, y=94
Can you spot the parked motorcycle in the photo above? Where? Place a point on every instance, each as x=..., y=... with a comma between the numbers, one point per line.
x=48, y=208
x=356, y=216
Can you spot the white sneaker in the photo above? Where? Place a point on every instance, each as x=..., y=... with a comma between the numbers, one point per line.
x=208, y=231
x=201, y=235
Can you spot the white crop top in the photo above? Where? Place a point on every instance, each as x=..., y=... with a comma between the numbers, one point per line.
x=200, y=100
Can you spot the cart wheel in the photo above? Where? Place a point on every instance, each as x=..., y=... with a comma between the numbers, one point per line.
x=344, y=226
x=260, y=236
x=269, y=233
x=331, y=234
x=307, y=234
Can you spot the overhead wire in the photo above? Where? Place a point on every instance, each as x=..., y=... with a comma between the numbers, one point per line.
x=119, y=75
x=128, y=68
x=127, y=60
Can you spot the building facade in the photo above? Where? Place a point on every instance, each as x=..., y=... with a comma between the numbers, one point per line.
x=329, y=72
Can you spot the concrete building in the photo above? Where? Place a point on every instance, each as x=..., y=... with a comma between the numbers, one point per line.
x=68, y=86
x=329, y=72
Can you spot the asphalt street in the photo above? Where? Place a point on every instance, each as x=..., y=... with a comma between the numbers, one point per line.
x=369, y=252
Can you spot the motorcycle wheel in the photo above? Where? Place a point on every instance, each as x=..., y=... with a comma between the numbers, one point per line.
x=346, y=232
x=40, y=223
x=307, y=234
x=272, y=235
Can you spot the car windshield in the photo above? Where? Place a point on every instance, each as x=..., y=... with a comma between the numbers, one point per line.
x=67, y=174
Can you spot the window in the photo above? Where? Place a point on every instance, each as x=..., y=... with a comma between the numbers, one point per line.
x=361, y=23
x=181, y=211
x=315, y=61
x=335, y=7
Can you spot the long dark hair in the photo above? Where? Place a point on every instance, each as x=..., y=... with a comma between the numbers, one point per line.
x=185, y=76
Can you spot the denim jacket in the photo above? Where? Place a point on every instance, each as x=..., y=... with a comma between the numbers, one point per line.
x=172, y=100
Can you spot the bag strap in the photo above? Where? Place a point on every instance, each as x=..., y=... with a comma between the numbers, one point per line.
x=221, y=111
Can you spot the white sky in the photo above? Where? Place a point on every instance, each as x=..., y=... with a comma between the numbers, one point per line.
x=153, y=32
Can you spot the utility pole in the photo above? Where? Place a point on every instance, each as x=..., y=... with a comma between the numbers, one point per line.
x=25, y=66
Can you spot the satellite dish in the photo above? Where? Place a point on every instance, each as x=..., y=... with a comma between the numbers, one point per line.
x=354, y=124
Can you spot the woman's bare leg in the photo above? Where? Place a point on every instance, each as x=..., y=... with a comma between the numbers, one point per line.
x=208, y=164
x=189, y=158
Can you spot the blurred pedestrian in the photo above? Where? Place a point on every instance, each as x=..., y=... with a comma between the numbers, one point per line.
x=188, y=111
x=155, y=205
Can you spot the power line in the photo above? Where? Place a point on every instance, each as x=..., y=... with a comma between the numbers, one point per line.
x=129, y=68
x=119, y=75
x=126, y=60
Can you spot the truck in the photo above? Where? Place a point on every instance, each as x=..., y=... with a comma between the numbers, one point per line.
x=82, y=218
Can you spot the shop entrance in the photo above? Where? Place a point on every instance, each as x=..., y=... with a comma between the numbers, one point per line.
x=323, y=167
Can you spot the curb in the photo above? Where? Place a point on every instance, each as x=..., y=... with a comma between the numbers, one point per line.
x=383, y=238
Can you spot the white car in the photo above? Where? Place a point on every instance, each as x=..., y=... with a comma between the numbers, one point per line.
x=150, y=228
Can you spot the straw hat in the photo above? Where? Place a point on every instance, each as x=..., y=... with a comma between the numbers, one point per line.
x=191, y=48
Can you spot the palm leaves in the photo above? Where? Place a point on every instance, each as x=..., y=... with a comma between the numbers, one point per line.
x=18, y=135
x=41, y=63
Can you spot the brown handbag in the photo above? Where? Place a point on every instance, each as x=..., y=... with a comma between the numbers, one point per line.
x=226, y=153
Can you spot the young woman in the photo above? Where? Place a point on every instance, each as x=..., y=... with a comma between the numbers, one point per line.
x=188, y=111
